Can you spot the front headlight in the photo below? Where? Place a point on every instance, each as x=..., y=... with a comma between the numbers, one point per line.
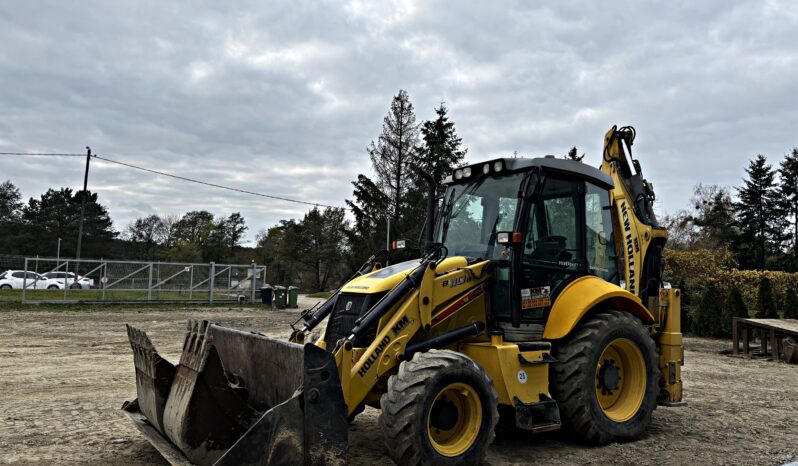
x=467, y=172
x=458, y=174
x=497, y=166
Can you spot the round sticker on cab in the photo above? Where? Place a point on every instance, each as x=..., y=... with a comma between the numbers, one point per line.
x=522, y=376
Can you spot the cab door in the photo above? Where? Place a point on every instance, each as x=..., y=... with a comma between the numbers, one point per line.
x=553, y=249
x=567, y=233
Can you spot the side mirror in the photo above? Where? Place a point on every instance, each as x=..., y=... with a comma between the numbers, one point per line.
x=508, y=238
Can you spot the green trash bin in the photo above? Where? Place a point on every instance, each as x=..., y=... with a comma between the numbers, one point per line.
x=293, y=295
x=279, y=297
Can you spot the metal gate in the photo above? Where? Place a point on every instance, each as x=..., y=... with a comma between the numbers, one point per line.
x=69, y=281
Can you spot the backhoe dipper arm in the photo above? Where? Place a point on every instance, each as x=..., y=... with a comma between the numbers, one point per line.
x=640, y=244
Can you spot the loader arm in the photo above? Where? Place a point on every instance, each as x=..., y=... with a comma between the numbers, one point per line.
x=420, y=312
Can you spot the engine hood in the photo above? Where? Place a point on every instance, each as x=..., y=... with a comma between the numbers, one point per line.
x=384, y=279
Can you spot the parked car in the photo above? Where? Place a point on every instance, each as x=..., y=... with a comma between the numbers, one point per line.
x=16, y=278
x=55, y=281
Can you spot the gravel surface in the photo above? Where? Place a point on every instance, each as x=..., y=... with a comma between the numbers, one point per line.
x=65, y=373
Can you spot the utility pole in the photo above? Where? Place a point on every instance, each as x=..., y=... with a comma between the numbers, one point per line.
x=388, y=235
x=82, y=210
x=58, y=254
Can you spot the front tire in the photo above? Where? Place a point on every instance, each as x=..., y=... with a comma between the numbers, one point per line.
x=52, y=287
x=606, y=379
x=5, y=287
x=440, y=408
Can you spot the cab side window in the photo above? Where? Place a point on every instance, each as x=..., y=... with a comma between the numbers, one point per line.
x=600, y=244
x=553, y=236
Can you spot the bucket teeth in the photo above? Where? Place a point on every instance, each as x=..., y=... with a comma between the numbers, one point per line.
x=145, y=356
x=197, y=345
x=154, y=376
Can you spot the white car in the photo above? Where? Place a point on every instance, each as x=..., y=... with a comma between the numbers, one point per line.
x=16, y=278
x=55, y=281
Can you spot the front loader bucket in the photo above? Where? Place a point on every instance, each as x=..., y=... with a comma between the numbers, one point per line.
x=239, y=398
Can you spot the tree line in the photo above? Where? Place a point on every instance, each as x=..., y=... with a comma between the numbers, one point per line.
x=759, y=227
x=34, y=228
x=755, y=231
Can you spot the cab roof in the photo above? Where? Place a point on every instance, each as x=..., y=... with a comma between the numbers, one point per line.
x=548, y=164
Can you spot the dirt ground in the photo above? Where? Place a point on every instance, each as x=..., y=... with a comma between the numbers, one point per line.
x=65, y=373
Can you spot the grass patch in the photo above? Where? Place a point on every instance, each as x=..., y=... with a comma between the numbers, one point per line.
x=321, y=294
x=13, y=298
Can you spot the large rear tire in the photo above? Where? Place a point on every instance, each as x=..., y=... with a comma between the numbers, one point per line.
x=440, y=408
x=606, y=379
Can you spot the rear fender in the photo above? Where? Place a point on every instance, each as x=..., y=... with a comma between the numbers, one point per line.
x=584, y=294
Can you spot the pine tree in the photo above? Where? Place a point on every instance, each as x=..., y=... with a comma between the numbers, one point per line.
x=442, y=149
x=714, y=215
x=758, y=213
x=439, y=154
x=788, y=196
x=573, y=154
x=370, y=208
x=392, y=154
x=56, y=214
x=735, y=307
x=765, y=300
x=707, y=321
x=790, y=304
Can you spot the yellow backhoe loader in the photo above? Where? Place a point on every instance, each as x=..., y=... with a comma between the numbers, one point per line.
x=539, y=294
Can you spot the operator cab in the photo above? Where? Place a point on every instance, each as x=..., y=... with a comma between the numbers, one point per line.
x=561, y=208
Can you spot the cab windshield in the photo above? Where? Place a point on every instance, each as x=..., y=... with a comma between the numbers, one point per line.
x=474, y=211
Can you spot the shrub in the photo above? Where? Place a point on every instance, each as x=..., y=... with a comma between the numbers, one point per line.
x=686, y=319
x=735, y=307
x=790, y=304
x=766, y=301
x=694, y=270
x=707, y=319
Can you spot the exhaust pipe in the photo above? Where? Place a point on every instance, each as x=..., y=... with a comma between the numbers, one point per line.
x=429, y=225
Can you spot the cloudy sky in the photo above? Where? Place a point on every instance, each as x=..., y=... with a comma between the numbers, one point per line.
x=284, y=97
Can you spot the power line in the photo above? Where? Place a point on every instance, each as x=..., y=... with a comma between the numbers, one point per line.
x=44, y=154
x=183, y=178
x=214, y=185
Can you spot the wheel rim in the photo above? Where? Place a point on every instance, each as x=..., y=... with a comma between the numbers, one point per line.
x=454, y=419
x=620, y=379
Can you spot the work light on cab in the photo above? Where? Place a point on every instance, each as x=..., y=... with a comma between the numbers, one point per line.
x=507, y=238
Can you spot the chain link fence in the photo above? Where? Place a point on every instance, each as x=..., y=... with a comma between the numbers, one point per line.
x=51, y=280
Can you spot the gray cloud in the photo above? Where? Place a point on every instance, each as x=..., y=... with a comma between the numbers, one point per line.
x=283, y=97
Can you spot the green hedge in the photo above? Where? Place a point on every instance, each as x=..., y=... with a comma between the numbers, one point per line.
x=764, y=293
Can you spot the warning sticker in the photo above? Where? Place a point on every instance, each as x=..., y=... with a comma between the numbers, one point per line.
x=535, y=297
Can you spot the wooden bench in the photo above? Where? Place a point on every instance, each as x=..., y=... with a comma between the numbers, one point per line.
x=772, y=330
